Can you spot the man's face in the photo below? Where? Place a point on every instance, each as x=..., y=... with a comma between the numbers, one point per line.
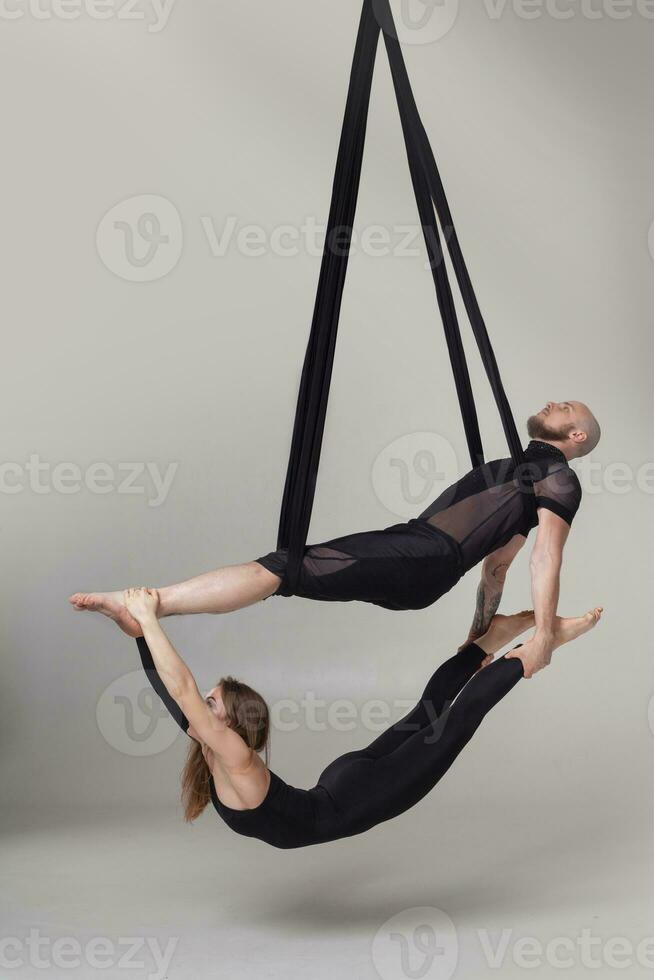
x=554, y=422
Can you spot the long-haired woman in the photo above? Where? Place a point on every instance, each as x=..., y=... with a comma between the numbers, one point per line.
x=230, y=728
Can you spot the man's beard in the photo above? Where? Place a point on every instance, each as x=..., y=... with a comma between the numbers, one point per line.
x=537, y=428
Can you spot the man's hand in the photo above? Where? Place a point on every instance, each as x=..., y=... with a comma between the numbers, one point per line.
x=535, y=654
x=142, y=604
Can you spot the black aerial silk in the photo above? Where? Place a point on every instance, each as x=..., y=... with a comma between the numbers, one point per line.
x=433, y=208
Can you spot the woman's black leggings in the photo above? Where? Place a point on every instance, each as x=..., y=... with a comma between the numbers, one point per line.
x=401, y=766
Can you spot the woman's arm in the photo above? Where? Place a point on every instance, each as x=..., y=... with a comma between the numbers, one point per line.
x=192, y=711
x=159, y=687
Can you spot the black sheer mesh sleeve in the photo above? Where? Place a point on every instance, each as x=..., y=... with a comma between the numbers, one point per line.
x=559, y=491
x=159, y=687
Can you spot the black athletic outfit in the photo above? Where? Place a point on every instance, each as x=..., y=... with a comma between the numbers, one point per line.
x=362, y=789
x=411, y=565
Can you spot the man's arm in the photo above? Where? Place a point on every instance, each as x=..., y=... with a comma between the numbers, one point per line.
x=545, y=565
x=491, y=585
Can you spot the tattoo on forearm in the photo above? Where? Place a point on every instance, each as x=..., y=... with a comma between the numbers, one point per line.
x=498, y=572
x=488, y=599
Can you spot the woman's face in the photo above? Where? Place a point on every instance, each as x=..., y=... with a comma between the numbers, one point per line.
x=215, y=701
x=215, y=704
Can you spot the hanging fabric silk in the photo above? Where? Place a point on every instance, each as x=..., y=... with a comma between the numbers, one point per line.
x=433, y=208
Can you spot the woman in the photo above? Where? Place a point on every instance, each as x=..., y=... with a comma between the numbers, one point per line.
x=360, y=789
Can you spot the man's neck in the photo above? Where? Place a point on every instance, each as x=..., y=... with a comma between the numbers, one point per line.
x=563, y=447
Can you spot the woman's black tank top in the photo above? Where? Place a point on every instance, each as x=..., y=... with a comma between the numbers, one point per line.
x=287, y=817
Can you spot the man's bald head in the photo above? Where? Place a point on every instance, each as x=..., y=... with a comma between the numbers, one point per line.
x=569, y=425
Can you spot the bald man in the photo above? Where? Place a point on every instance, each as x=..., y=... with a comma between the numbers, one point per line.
x=483, y=518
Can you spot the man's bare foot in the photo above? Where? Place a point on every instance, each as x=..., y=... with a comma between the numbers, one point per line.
x=572, y=627
x=110, y=604
x=503, y=630
x=535, y=655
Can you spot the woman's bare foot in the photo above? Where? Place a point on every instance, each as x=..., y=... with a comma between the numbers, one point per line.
x=503, y=630
x=110, y=604
x=572, y=627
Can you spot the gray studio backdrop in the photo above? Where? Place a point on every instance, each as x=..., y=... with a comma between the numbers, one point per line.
x=163, y=174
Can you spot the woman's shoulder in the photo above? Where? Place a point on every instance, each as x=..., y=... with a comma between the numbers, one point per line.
x=242, y=787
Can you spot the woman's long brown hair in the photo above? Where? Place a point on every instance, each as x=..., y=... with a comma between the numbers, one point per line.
x=247, y=714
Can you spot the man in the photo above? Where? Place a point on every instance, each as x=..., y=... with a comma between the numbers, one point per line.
x=484, y=517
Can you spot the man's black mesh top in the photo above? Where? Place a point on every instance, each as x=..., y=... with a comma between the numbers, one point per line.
x=494, y=502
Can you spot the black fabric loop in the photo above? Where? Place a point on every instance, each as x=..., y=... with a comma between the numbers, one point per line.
x=308, y=430
x=409, y=109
